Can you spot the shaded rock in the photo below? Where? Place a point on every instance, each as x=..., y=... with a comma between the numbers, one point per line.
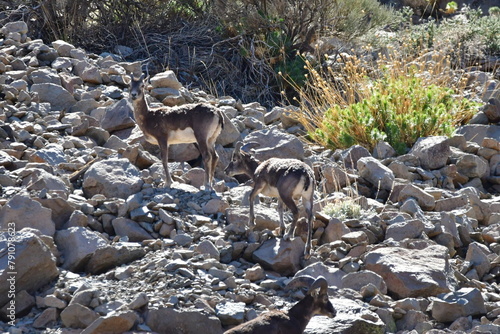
x=34, y=263
x=424, y=200
x=113, y=323
x=280, y=255
x=77, y=244
x=111, y=256
x=24, y=302
x=433, y=152
x=61, y=209
x=351, y=156
x=78, y=316
x=112, y=178
x=408, y=229
x=46, y=319
x=129, y=228
x=472, y=166
x=334, y=231
x=118, y=116
x=375, y=172
x=462, y=303
x=359, y=279
x=336, y=178
x=58, y=97
x=412, y=272
x=477, y=255
x=169, y=320
x=26, y=212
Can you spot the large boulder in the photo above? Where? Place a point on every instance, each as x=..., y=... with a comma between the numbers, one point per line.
x=118, y=116
x=413, y=272
x=113, y=178
x=170, y=320
x=26, y=212
x=24, y=253
x=77, y=244
x=274, y=143
x=58, y=97
x=280, y=255
x=448, y=307
x=376, y=173
x=433, y=152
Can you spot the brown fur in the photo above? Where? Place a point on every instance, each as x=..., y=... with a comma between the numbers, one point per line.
x=285, y=179
x=190, y=123
x=292, y=322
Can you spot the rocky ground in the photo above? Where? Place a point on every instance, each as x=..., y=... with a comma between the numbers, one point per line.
x=99, y=245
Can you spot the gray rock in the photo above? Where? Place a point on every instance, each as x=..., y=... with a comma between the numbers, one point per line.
x=33, y=263
x=424, y=200
x=78, y=316
x=39, y=179
x=115, y=322
x=77, y=244
x=477, y=133
x=351, y=156
x=358, y=280
x=477, y=255
x=433, y=152
x=412, y=229
x=412, y=272
x=44, y=75
x=26, y=212
x=24, y=302
x=230, y=313
x=383, y=150
x=472, y=166
x=229, y=133
x=375, y=172
x=170, y=320
x=118, y=116
x=112, y=178
x=275, y=144
x=207, y=247
x=166, y=79
x=63, y=48
x=462, y=303
x=237, y=219
x=352, y=317
x=334, y=231
x=129, y=228
x=58, y=97
x=333, y=276
x=46, y=319
x=280, y=255
x=111, y=256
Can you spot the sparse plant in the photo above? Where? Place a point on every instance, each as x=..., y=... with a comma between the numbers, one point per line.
x=344, y=209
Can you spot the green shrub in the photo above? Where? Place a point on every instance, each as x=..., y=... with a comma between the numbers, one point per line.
x=399, y=111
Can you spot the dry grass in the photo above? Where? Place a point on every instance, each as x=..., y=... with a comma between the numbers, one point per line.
x=349, y=101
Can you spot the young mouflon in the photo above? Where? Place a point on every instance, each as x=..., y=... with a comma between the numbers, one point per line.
x=285, y=179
